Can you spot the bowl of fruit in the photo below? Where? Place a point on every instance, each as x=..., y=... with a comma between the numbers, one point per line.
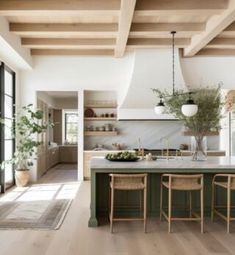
x=122, y=156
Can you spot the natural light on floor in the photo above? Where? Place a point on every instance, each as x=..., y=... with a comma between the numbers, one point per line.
x=38, y=192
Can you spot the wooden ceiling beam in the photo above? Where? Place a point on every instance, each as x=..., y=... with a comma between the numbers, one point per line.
x=60, y=30
x=167, y=27
x=214, y=27
x=156, y=43
x=181, y=5
x=62, y=27
x=71, y=43
x=62, y=7
x=69, y=52
x=229, y=31
x=221, y=43
x=125, y=20
x=164, y=13
x=215, y=52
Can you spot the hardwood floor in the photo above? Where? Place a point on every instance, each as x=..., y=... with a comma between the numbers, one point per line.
x=75, y=238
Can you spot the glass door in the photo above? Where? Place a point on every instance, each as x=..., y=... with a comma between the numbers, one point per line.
x=7, y=113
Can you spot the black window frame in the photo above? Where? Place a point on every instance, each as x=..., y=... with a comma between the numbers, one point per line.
x=3, y=68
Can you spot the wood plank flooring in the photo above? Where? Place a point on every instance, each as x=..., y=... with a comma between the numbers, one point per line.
x=75, y=238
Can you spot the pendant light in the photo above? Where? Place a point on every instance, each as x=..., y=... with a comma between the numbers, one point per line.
x=160, y=107
x=189, y=108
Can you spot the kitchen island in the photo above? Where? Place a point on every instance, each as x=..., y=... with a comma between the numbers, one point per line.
x=128, y=203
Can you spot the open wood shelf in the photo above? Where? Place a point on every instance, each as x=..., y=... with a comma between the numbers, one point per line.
x=100, y=118
x=100, y=133
x=210, y=133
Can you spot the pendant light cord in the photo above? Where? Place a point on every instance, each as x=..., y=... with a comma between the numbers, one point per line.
x=173, y=61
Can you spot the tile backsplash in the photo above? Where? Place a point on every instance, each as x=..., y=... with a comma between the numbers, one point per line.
x=152, y=134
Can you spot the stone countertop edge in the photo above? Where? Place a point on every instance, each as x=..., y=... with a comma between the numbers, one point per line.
x=184, y=163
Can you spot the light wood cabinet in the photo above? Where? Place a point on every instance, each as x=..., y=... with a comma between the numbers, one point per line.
x=87, y=160
x=41, y=164
x=68, y=154
x=209, y=153
x=53, y=156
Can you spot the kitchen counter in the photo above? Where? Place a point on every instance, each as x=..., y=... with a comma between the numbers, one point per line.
x=88, y=154
x=100, y=168
x=177, y=164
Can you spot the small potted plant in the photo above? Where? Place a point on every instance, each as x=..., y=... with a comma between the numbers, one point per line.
x=28, y=123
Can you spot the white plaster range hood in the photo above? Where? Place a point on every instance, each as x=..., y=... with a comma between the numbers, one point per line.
x=151, y=68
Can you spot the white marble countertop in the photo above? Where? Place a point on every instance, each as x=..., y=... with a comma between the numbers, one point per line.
x=178, y=163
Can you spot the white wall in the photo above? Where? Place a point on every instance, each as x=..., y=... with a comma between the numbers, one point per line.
x=75, y=74
x=152, y=69
x=209, y=71
x=131, y=76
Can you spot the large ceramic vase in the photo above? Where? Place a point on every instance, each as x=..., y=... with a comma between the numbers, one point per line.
x=22, y=177
x=199, y=148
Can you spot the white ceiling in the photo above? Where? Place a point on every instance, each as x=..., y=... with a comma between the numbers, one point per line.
x=62, y=94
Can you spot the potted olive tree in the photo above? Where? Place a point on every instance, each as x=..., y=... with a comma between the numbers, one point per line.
x=28, y=123
x=204, y=122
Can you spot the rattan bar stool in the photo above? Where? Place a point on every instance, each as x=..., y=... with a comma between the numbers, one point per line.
x=228, y=183
x=128, y=182
x=182, y=183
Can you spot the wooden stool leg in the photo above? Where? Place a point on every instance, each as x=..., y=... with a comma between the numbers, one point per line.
x=213, y=201
x=145, y=208
x=169, y=209
x=228, y=208
x=112, y=209
x=202, y=210
x=161, y=194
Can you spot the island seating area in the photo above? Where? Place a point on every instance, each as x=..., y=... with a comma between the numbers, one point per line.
x=128, y=204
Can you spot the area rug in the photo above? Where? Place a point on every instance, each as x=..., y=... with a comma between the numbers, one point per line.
x=38, y=207
x=33, y=214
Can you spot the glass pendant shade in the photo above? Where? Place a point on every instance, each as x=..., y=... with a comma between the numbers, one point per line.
x=189, y=109
x=159, y=108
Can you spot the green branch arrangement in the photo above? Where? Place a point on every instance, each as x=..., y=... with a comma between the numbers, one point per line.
x=209, y=109
x=28, y=123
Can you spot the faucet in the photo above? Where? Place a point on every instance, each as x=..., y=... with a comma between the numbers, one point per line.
x=167, y=146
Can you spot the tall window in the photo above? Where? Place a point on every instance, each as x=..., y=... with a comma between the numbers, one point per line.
x=71, y=127
x=7, y=109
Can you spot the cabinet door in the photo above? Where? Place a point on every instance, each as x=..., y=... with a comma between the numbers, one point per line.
x=56, y=156
x=86, y=166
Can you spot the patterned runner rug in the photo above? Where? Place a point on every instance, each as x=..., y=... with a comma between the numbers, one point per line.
x=42, y=206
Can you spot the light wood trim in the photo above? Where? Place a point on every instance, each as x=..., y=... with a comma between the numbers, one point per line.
x=169, y=12
x=167, y=27
x=222, y=43
x=125, y=19
x=64, y=52
x=100, y=133
x=154, y=42
x=214, y=27
x=100, y=119
x=37, y=42
x=209, y=133
x=49, y=7
x=180, y=5
x=215, y=52
x=63, y=27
